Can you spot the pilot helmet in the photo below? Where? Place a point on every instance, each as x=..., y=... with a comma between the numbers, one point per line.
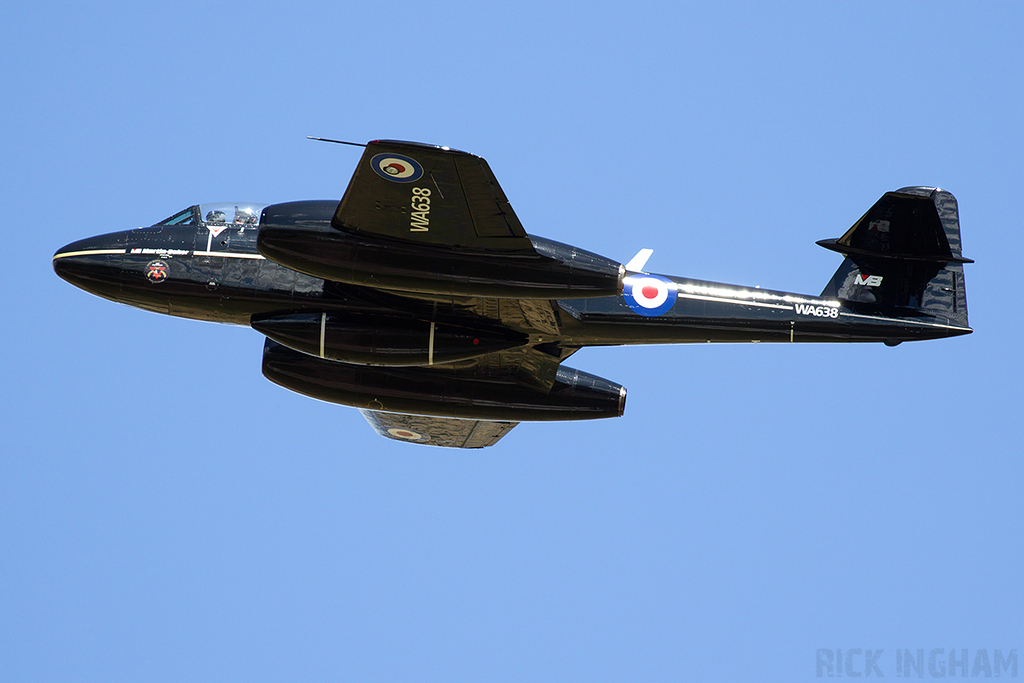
x=244, y=216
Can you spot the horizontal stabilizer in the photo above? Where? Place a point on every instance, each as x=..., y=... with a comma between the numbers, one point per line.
x=914, y=223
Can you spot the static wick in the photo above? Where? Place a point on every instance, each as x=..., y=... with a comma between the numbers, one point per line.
x=338, y=142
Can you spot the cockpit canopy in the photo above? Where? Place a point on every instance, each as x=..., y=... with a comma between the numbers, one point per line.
x=242, y=214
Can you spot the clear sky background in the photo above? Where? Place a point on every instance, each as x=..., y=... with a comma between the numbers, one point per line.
x=167, y=514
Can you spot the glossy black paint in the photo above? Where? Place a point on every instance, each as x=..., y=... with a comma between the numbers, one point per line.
x=374, y=339
x=371, y=316
x=550, y=270
x=575, y=395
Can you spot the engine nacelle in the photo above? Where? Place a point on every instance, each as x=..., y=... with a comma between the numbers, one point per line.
x=368, y=339
x=575, y=395
x=299, y=235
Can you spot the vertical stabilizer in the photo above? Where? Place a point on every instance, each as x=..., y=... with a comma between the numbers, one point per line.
x=903, y=259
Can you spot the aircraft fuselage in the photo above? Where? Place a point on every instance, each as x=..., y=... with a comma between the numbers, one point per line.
x=202, y=273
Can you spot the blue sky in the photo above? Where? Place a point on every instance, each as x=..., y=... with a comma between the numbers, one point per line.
x=168, y=514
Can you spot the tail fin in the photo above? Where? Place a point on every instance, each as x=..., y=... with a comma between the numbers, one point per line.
x=903, y=259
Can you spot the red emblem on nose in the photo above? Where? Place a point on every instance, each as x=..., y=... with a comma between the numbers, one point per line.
x=649, y=292
x=156, y=271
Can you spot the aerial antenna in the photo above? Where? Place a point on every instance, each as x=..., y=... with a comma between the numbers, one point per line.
x=339, y=142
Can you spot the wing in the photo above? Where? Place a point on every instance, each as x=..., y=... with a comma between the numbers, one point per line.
x=429, y=195
x=437, y=431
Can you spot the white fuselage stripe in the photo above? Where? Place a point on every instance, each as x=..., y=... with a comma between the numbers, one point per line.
x=157, y=252
x=430, y=346
x=228, y=254
x=742, y=302
x=88, y=252
x=323, y=332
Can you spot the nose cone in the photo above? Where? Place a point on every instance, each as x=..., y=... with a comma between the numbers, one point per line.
x=93, y=264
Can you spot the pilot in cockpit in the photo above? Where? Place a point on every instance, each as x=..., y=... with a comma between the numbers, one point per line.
x=244, y=216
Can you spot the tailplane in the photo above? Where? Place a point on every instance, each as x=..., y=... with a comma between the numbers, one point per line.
x=903, y=259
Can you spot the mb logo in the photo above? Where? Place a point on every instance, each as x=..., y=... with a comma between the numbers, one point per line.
x=867, y=280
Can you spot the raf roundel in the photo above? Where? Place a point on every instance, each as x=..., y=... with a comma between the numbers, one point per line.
x=397, y=168
x=649, y=295
x=407, y=434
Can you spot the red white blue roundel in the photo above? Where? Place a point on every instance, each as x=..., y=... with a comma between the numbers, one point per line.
x=649, y=295
x=407, y=434
x=397, y=167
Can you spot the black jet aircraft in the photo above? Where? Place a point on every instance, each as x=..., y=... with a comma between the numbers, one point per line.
x=422, y=301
